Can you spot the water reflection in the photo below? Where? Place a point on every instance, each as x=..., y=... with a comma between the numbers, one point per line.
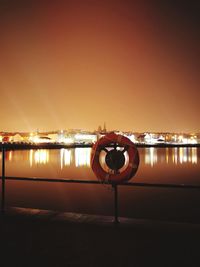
x=194, y=155
x=80, y=157
x=150, y=156
x=9, y=155
x=39, y=156
x=65, y=157
x=174, y=155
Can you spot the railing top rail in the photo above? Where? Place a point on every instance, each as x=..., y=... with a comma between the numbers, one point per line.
x=135, y=184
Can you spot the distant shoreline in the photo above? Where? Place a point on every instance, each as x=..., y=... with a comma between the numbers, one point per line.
x=23, y=146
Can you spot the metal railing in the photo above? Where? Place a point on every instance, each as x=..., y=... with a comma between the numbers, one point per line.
x=97, y=182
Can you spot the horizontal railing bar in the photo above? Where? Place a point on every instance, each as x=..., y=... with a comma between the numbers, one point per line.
x=63, y=180
x=54, y=180
x=186, y=186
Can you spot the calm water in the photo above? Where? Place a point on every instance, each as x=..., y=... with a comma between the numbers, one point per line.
x=160, y=165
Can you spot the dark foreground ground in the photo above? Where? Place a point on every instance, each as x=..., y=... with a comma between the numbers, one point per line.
x=31, y=237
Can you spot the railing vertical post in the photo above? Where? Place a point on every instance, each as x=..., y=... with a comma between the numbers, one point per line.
x=3, y=181
x=116, y=220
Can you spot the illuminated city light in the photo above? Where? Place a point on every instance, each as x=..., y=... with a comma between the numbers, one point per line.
x=132, y=138
x=68, y=140
x=85, y=137
x=39, y=139
x=193, y=140
x=80, y=137
x=149, y=139
x=180, y=138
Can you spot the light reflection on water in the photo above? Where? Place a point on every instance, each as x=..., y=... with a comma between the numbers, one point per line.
x=175, y=156
x=81, y=157
x=65, y=157
x=40, y=156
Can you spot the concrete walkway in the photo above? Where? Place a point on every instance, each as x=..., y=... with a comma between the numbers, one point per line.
x=32, y=237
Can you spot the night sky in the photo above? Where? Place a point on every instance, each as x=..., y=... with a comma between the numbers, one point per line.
x=77, y=64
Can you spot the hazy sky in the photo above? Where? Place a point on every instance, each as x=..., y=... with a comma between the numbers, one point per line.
x=76, y=64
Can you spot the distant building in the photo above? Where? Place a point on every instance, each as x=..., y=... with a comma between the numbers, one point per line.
x=17, y=138
x=6, y=139
x=141, y=138
x=85, y=138
x=102, y=129
x=39, y=138
x=53, y=137
x=99, y=129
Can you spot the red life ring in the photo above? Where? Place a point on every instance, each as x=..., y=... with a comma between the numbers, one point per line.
x=115, y=159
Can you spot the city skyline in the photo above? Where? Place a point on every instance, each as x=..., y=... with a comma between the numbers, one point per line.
x=133, y=64
x=68, y=130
